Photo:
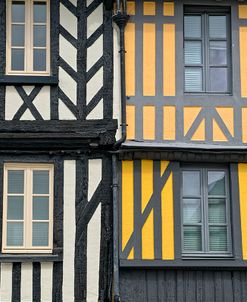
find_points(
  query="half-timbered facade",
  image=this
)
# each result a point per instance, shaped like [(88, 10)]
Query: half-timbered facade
[(182, 169), (56, 125)]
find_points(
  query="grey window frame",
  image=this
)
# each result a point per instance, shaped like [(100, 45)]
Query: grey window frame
[(205, 12), (205, 253)]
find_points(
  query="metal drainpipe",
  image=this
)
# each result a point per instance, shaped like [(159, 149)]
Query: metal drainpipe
[(121, 20)]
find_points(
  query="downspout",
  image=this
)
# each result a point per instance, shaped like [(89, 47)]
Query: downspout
[(121, 19)]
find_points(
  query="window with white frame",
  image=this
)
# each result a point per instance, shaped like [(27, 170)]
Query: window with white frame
[(27, 208), (28, 37)]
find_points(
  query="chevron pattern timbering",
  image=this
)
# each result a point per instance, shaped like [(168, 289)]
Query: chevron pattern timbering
[(81, 64)]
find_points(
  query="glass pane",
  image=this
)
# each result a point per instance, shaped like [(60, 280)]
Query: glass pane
[(216, 183), (193, 79), (193, 52), (17, 59), (18, 11), (192, 239), (191, 211), (216, 211), (217, 26), (40, 234), (40, 182), (218, 239), (39, 60), (218, 79), (39, 36), (40, 208), (15, 181), (14, 234), (18, 35), (15, 207), (39, 12), (191, 183), (218, 54), (192, 26)]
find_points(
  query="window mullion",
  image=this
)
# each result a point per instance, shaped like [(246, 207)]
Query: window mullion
[(206, 225), (28, 220), (206, 49), (29, 37)]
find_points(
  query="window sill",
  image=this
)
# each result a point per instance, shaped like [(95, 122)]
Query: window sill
[(29, 258), (208, 257), (28, 80)]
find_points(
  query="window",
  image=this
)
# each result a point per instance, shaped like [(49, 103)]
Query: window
[(207, 54), (28, 37), (27, 208), (206, 212)]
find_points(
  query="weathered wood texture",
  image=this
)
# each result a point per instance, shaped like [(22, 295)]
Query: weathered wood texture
[(183, 286)]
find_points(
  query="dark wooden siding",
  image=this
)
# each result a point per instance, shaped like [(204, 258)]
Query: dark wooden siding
[(183, 285)]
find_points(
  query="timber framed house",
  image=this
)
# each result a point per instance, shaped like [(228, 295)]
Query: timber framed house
[(56, 125)]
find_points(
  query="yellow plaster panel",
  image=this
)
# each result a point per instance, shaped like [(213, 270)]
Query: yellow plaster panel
[(147, 182), (242, 11), (168, 9), (190, 114), (149, 50), (243, 61), (227, 115), (169, 122), (169, 61), (199, 134), (242, 178), (167, 220), (163, 166), (130, 119), (149, 8), (130, 59), (131, 7), (148, 238), (218, 135), (244, 125), (131, 254), (149, 122), (127, 201)]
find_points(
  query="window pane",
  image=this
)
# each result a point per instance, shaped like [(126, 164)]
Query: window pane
[(40, 234), (17, 59), (218, 239), (15, 207), (16, 181), (40, 208), (218, 79), (192, 27), (192, 239), (18, 11), (193, 79), (216, 183), (216, 211), (39, 60), (217, 26), (14, 234), (18, 35), (191, 183), (39, 36), (40, 182), (39, 12), (191, 211), (193, 52), (218, 54)]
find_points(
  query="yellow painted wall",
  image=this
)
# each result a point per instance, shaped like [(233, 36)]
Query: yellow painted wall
[(149, 177)]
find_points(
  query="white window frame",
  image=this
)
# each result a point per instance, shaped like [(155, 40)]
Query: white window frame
[(29, 25), (27, 221)]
